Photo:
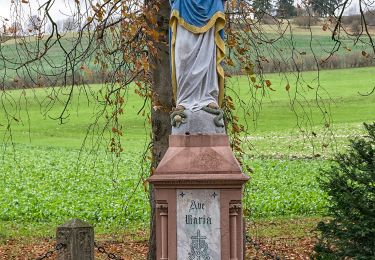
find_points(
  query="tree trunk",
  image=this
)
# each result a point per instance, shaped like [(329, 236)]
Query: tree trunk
[(163, 98)]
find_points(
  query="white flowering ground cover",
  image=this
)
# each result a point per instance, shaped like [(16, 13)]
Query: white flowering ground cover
[(51, 185)]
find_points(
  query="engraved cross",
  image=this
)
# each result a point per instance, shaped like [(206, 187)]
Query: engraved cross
[(198, 236), (200, 247)]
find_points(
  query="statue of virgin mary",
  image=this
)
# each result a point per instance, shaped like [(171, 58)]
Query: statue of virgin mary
[(197, 51)]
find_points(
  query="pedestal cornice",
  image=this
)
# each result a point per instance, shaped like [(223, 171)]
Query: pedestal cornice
[(199, 159)]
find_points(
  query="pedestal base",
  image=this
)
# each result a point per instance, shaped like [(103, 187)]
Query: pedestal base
[(198, 193)]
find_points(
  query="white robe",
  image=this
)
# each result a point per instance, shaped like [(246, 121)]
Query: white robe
[(196, 73)]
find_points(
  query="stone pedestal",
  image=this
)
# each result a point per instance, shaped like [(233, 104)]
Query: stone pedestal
[(198, 193)]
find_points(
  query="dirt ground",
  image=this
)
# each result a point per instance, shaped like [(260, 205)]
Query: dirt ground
[(281, 239)]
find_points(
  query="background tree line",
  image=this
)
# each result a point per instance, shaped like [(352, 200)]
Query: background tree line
[(288, 9)]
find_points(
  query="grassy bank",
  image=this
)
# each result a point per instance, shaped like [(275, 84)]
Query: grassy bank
[(277, 111)]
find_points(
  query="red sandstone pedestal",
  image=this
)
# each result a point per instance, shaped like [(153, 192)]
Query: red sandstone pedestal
[(200, 182)]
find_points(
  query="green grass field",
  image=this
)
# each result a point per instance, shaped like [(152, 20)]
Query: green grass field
[(338, 92), (46, 178)]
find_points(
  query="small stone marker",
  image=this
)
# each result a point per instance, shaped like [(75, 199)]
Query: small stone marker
[(78, 238), (198, 224)]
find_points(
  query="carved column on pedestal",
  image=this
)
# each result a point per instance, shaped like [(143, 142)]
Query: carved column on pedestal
[(163, 212), (234, 210)]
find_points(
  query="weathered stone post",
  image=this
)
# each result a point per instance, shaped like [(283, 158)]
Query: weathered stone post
[(78, 238)]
